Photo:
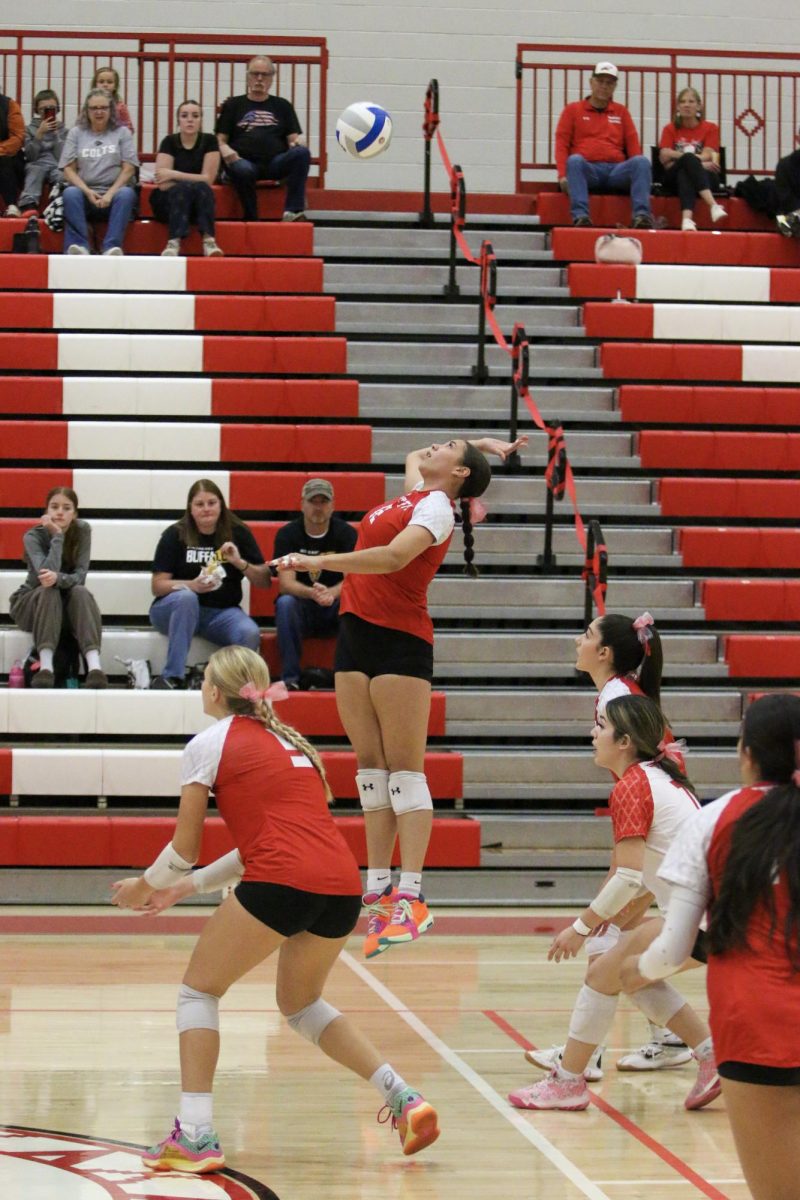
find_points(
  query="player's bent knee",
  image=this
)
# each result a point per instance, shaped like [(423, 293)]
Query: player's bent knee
[(658, 1001), (373, 788), (312, 1021), (592, 1016), (196, 1010), (409, 792)]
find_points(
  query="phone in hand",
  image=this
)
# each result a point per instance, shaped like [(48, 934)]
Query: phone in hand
[(49, 112)]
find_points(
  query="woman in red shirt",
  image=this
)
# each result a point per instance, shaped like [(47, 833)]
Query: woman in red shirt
[(739, 858), (384, 665), (689, 154), (298, 892)]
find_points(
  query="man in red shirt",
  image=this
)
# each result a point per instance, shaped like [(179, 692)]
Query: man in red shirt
[(598, 149)]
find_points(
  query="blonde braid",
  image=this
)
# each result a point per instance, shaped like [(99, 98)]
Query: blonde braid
[(266, 713)]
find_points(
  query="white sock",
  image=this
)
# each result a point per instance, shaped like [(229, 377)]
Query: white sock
[(704, 1050), (378, 879), (388, 1082), (410, 883), (196, 1113), (93, 660), (46, 660), (563, 1073), (657, 1032)]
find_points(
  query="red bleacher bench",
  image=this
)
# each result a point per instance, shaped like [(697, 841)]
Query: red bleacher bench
[(248, 238), (613, 210), (673, 246), (753, 498), (700, 451), (671, 360), (769, 656), (720, 546), (763, 600), (668, 404), (117, 841)]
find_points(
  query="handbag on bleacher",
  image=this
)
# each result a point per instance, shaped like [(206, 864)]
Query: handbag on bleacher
[(612, 248)]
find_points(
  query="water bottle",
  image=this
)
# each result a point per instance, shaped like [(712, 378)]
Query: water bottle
[(73, 681), (16, 676)]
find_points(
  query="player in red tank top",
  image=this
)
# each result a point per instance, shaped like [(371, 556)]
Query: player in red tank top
[(739, 859), (384, 666), (297, 892)]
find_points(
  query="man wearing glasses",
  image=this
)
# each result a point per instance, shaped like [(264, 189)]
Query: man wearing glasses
[(598, 148), (260, 138)]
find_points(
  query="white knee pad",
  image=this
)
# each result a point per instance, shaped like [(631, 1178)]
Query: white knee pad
[(592, 1016), (373, 789), (409, 792), (196, 1010), (312, 1021), (658, 1001), (602, 942)]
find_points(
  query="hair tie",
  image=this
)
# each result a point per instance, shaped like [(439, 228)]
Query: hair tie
[(477, 510), (672, 750), (275, 691), (643, 632)]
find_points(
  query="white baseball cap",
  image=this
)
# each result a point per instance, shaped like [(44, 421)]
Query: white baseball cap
[(606, 68)]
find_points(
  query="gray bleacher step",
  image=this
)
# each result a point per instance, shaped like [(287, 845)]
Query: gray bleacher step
[(606, 450), (570, 712), (501, 594), (456, 359), (517, 245), (441, 220), (424, 279), (555, 652), (472, 402), (525, 494), (453, 320)]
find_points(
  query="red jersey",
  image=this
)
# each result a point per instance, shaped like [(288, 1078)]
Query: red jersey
[(753, 993), (399, 600), (272, 800), (599, 135), (705, 136)]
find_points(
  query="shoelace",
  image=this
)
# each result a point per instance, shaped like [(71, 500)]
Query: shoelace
[(381, 1119), (402, 912)]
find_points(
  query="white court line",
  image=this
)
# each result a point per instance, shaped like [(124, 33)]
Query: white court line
[(660, 1182), (512, 1115)]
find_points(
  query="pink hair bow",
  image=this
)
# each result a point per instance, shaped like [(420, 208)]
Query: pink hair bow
[(477, 510), (643, 632), (275, 691), (672, 750)]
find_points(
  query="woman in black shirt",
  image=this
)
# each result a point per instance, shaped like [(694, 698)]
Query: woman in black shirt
[(187, 165)]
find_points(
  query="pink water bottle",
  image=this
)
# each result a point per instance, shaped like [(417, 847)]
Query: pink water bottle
[(16, 676)]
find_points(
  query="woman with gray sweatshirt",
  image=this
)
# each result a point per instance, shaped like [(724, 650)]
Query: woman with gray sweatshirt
[(57, 553)]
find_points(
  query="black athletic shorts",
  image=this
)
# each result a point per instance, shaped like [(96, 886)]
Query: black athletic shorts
[(375, 650), (699, 949), (288, 910), (742, 1072)]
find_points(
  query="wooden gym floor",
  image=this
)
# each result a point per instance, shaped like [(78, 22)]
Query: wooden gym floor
[(89, 1049)]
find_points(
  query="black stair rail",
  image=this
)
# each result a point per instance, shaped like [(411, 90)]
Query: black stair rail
[(519, 386), (595, 572), (430, 122), (458, 214), (555, 477), (487, 298)]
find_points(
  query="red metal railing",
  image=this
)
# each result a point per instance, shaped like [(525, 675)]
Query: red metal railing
[(158, 70), (754, 98)]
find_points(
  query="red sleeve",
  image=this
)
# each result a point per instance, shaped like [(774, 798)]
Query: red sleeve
[(632, 144), (667, 139), (710, 136), (631, 806), (564, 135)]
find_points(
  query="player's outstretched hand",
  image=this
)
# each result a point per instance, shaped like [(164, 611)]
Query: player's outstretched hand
[(166, 897), (131, 893), (568, 944), (296, 562), (490, 445)]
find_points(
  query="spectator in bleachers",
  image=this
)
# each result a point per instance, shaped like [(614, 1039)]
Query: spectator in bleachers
[(598, 149), (308, 605), (12, 136), (689, 154), (44, 141), (108, 79), (198, 569), (99, 163), (57, 554), (187, 165), (260, 137), (787, 187)]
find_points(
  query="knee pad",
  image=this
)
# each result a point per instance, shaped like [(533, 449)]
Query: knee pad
[(592, 1016), (409, 792), (658, 1001), (312, 1021), (196, 1010), (373, 789), (602, 942)]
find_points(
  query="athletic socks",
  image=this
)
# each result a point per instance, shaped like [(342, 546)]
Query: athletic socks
[(196, 1113), (388, 1083), (704, 1050), (93, 660), (46, 660), (567, 1076), (378, 879), (410, 884)]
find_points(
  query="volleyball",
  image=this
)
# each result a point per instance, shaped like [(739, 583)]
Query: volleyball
[(364, 129)]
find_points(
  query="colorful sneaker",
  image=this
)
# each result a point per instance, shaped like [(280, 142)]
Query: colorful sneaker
[(547, 1059), (179, 1152), (409, 919), (656, 1056), (414, 1119), (571, 1095), (380, 906), (707, 1086)]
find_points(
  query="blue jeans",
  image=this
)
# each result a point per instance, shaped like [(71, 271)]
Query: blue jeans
[(292, 165), (180, 616), (78, 209), (295, 619), (634, 176)]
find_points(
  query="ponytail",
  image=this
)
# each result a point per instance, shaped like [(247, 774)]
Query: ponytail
[(643, 721), (474, 485), (643, 659), (469, 541)]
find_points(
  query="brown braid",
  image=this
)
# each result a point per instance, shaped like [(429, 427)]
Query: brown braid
[(266, 713), (469, 541)]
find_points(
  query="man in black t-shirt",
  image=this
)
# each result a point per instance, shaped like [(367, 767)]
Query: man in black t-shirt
[(309, 603), (260, 138)]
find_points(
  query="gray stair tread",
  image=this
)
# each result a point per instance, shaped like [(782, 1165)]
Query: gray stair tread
[(557, 705), (593, 493), (404, 241), (440, 220), (611, 450), (467, 669), (410, 400)]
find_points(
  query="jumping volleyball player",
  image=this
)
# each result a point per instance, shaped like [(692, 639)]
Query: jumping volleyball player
[(298, 893), (651, 801), (740, 856), (384, 665)]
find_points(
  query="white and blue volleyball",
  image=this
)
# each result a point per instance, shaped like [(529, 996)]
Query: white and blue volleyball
[(364, 129)]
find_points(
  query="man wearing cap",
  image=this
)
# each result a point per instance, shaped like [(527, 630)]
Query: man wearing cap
[(598, 149), (308, 605)]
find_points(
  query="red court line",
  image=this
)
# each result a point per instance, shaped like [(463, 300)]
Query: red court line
[(508, 926), (624, 1122)]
